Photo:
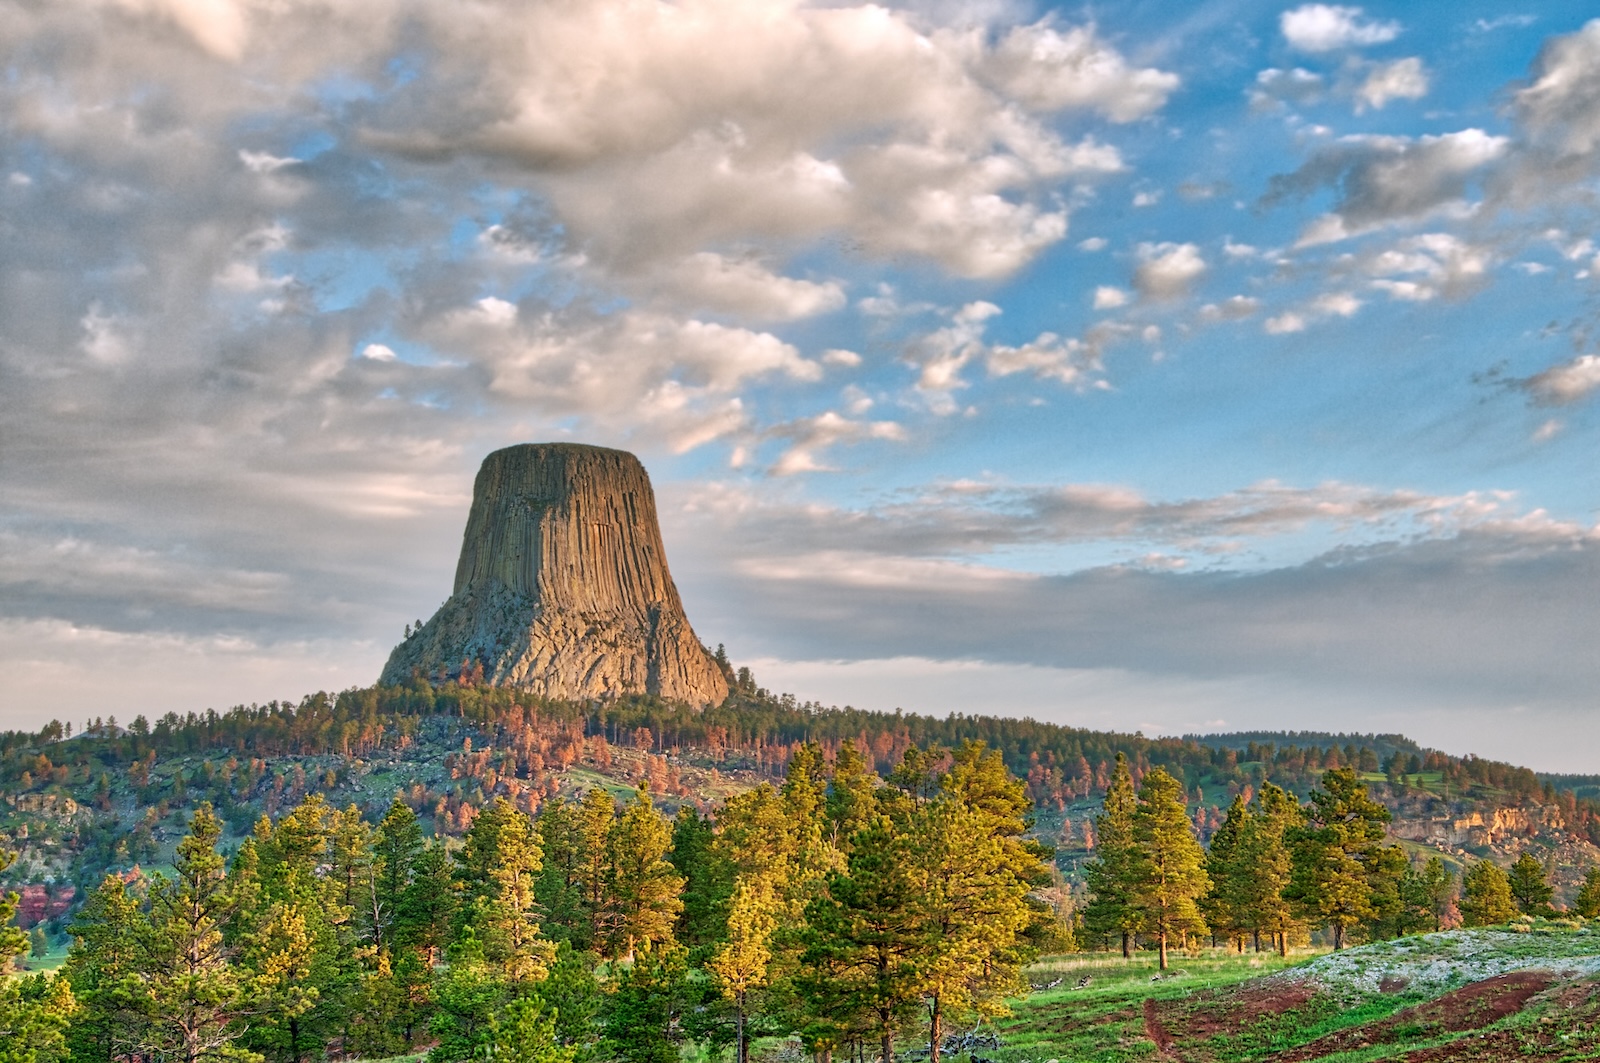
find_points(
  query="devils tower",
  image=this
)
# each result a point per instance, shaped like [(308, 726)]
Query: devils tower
[(562, 588)]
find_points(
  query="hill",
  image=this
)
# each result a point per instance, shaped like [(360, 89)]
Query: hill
[(112, 796)]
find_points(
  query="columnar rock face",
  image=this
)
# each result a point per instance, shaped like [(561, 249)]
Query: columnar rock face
[(562, 588)]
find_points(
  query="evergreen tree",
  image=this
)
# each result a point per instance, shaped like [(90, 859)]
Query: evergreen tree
[(644, 1011), (34, 1011), (740, 964), (644, 902), (851, 803), (396, 846), (707, 882), (597, 816), (1169, 865), (560, 883), (861, 938), (1530, 892), (1337, 854), (573, 998), (104, 953), (1587, 903), (1226, 907), (1265, 862), (193, 1001), (496, 869), (1110, 875), (524, 1033), (1485, 895)]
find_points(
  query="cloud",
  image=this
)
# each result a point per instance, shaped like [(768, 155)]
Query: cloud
[(942, 356), (1430, 265), (1167, 270), (1402, 79), (810, 435), (1383, 179), (1275, 87), (745, 287), (1233, 308), (1050, 70), (1558, 111), (1564, 384), (1330, 27), (1109, 298)]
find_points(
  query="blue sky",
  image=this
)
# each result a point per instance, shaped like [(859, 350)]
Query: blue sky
[(1221, 370)]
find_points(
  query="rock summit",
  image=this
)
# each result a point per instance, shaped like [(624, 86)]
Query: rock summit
[(562, 588)]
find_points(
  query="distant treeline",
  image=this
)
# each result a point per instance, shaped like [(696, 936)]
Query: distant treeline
[(1060, 764)]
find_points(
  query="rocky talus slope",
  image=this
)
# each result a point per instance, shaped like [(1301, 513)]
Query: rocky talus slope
[(562, 588)]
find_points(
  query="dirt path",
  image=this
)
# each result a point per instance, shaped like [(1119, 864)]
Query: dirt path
[(1155, 1030)]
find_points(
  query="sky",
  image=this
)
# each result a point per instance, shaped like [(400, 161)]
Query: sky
[(1177, 368)]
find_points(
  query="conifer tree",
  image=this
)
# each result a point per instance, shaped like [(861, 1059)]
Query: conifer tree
[(1226, 907), (1264, 857), (861, 938), (194, 1002), (707, 882), (1438, 885), (1336, 854), (1169, 865), (105, 935), (1587, 903), (1530, 892), (1110, 875), (644, 889), (496, 869), (851, 803), (560, 883), (1485, 895), (740, 964), (397, 844), (596, 818), (34, 1013), (644, 1010)]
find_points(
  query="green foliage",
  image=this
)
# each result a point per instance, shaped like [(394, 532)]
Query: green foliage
[(1587, 903), (1485, 895), (1167, 876), (1110, 876), (1337, 855), (643, 1020), (1530, 891)]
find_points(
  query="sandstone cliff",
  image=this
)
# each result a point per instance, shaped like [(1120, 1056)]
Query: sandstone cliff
[(562, 588)]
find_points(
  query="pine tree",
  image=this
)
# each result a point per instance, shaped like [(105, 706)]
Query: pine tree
[(1530, 892), (644, 1011), (105, 934), (740, 964), (1485, 895), (596, 818), (1226, 907), (851, 803), (1110, 875), (194, 1002), (496, 869), (34, 1012), (1264, 858), (861, 939), (1336, 854), (1169, 875), (644, 888), (396, 846), (524, 1033), (1587, 903), (707, 882), (560, 883)]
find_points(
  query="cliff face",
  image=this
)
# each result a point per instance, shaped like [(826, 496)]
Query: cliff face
[(562, 588)]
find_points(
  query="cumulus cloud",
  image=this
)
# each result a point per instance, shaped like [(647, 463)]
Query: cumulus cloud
[(1385, 179), (745, 287), (1167, 270), (1559, 109), (1275, 87), (941, 356), (1330, 27), (1048, 69), (1402, 79), (807, 437), (1423, 267)]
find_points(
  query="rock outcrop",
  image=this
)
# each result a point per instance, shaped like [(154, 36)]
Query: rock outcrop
[(562, 588)]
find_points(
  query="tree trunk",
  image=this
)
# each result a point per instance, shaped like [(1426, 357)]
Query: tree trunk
[(1283, 943), (294, 1039), (1338, 936), (935, 1030), (1258, 939), (1163, 938), (888, 1045), (1127, 953), (743, 1050), (1239, 941)]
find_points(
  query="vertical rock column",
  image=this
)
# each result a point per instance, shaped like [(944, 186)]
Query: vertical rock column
[(562, 588)]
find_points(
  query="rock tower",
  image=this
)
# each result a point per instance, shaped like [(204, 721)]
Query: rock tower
[(562, 588)]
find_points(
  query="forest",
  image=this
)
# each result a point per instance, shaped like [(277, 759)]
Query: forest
[(854, 911)]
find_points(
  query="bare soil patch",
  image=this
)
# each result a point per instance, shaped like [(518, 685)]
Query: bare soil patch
[(1171, 1023), (1472, 1007)]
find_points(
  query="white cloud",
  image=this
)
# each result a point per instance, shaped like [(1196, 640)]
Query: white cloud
[(1093, 243), (1050, 70), (1330, 27), (809, 436), (1109, 298), (1423, 267), (744, 286), (1402, 79), (1559, 110), (1284, 323), (1167, 270), (378, 352), (1275, 87)]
